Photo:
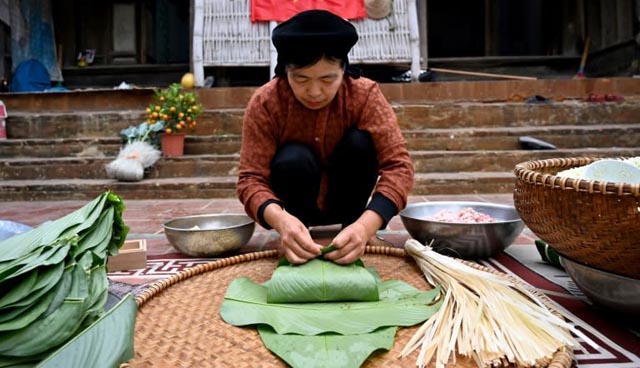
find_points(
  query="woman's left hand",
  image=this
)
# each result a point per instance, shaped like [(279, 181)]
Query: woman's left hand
[(350, 244)]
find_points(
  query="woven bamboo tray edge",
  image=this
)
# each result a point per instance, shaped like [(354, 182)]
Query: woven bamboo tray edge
[(563, 358)]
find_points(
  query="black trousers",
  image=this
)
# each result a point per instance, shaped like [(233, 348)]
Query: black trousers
[(352, 172)]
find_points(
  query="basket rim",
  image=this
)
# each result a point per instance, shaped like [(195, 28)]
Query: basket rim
[(528, 172)]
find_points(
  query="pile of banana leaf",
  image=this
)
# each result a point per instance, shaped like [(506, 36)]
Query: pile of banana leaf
[(54, 285), (321, 314)]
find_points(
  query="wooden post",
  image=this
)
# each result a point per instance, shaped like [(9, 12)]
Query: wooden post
[(423, 20), (273, 53), (414, 39), (197, 65)]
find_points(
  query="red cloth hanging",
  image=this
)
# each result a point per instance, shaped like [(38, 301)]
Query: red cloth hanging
[(281, 10)]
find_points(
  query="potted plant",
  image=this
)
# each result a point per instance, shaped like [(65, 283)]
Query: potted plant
[(177, 111)]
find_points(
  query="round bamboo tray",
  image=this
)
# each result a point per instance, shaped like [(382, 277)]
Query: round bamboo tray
[(178, 322), (591, 222)]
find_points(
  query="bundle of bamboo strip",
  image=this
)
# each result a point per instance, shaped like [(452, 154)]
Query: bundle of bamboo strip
[(487, 316)]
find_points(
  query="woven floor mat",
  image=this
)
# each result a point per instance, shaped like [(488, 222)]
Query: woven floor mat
[(178, 322)]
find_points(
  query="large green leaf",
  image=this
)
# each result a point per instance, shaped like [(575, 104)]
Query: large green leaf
[(20, 316), (21, 295), (53, 280), (24, 291), (23, 243), (320, 281), (76, 222), (400, 304), (56, 327), (97, 238), (47, 255), (106, 343), (79, 220), (326, 350), (120, 229)]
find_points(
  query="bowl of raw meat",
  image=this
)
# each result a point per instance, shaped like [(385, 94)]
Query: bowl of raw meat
[(461, 229)]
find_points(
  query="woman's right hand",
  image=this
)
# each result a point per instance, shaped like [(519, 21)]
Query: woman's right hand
[(296, 243)]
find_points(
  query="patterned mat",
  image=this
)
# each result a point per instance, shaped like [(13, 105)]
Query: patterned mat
[(617, 336)]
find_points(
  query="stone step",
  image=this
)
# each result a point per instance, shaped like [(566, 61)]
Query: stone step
[(227, 165), (224, 187), (492, 161), (108, 147), (94, 167), (456, 139), (483, 115), (462, 137), (397, 93), (100, 124), (506, 138)]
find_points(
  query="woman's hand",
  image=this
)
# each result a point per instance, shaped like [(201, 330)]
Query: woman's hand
[(296, 243), (351, 241)]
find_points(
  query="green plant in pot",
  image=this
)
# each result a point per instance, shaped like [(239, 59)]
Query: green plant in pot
[(177, 110)]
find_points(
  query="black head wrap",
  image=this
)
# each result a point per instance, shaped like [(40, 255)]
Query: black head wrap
[(306, 37)]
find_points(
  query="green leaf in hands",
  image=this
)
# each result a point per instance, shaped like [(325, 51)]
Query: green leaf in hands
[(319, 280)]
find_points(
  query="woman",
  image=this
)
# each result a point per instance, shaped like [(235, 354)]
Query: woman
[(320, 145)]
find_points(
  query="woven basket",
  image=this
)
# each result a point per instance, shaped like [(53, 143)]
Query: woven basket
[(178, 322), (594, 223)]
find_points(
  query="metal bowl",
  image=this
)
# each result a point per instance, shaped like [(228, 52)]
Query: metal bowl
[(608, 290), (209, 235), (463, 240)]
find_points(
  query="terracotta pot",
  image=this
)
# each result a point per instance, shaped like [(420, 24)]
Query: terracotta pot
[(172, 144)]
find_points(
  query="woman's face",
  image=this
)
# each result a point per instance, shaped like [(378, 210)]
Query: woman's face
[(315, 86)]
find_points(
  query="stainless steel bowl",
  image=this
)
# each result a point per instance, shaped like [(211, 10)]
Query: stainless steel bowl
[(607, 290), (209, 235), (463, 240)]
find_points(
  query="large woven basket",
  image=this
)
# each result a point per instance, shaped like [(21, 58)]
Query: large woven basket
[(178, 322), (592, 222)]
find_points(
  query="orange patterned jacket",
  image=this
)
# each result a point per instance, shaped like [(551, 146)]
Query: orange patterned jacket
[(274, 116)]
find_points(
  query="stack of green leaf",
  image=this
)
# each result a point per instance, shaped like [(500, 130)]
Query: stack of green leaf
[(53, 279), (321, 314)]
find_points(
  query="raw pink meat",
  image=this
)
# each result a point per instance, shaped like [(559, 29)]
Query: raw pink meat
[(465, 215)]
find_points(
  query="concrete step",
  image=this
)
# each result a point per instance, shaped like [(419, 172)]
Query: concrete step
[(463, 137), (506, 138), (224, 187), (107, 147), (227, 165), (508, 114), (557, 90), (85, 189), (94, 167), (101, 124), (456, 139), (496, 161)]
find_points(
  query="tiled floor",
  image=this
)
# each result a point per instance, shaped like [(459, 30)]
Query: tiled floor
[(145, 218)]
